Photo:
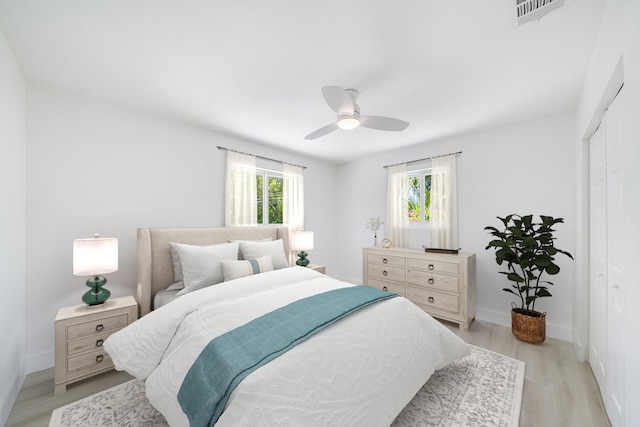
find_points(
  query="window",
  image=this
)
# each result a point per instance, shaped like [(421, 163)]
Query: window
[(419, 197), (269, 196)]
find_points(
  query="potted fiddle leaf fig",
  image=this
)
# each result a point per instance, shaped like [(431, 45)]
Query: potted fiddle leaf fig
[(528, 249)]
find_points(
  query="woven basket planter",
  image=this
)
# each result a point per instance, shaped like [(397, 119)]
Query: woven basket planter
[(528, 325)]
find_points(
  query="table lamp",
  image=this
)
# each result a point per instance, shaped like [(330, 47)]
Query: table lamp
[(94, 257), (302, 241)]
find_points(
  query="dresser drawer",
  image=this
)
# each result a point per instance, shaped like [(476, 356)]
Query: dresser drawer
[(434, 266), (97, 359), (388, 287), (433, 299), (386, 260), (395, 274), (99, 325), (92, 342), (430, 280)]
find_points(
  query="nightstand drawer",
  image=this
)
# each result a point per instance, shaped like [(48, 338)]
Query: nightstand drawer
[(437, 300), (96, 326), (90, 343), (432, 265), (98, 358), (396, 274), (442, 282), (386, 260)]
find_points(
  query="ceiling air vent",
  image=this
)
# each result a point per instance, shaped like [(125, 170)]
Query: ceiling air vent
[(530, 10)]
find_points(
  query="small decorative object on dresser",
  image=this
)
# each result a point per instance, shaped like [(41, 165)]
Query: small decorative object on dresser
[(443, 285), (374, 225), (80, 332), (95, 257)]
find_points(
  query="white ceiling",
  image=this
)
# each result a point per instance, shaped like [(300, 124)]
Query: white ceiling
[(255, 69)]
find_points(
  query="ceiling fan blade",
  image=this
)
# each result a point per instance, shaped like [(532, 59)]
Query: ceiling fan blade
[(383, 123), (338, 100), (322, 131)]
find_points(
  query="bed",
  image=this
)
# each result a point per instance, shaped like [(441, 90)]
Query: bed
[(360, 368)]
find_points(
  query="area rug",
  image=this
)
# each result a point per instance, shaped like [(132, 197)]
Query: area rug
[(482, 389)]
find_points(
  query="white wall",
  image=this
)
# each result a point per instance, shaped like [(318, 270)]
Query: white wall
[(523, 168), (12, 228), (619, 39), (94, 167)]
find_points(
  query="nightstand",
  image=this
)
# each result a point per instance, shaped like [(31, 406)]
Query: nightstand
[(317, 267), (80, 332)]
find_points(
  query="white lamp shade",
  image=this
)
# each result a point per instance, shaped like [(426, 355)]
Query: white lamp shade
[(302, 240), (96, 256)]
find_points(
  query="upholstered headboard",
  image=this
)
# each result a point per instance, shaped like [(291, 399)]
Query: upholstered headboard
[(155, 266)]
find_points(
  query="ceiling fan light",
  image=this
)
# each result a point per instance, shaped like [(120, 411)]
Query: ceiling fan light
[(348, 123)]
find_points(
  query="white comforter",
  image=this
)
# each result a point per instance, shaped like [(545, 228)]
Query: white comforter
[(360, 371)]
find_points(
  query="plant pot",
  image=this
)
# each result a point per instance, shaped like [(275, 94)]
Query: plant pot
[(528, 325)]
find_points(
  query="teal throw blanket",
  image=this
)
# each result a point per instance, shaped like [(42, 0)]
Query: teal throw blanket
[(231, 357)]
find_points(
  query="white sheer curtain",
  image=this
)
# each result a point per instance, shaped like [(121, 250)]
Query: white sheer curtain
[(241, 209), (444, 203), (397, 205), (293, 197)]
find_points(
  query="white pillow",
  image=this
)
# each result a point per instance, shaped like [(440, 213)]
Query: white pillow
[(258, 249), (201, 264), (234, 269), (266, 239), (178, 278)]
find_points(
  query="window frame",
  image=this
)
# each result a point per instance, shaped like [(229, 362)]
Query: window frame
[(421, 173), (266, 174)]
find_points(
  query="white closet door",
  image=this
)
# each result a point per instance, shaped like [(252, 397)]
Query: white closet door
[(615, 270), (598, 255)]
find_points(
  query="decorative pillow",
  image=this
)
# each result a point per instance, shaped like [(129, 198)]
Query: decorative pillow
[(274, 248), (201, 264), (266, 239), (234, 269)]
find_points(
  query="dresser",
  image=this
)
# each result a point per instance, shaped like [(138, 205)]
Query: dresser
[(443, 285), (80, 332)]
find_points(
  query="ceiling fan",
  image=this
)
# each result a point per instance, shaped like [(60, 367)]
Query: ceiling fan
[(343, 102)]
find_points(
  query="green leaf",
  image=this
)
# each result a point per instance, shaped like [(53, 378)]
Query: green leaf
[(515, 277)]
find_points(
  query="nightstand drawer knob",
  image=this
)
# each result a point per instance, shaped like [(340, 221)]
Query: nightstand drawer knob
[(384, 261), (431, 281), (431, 299), (431, 267), (99, 327), (99, 358), (99, 343), (384, 288), (384, 273)]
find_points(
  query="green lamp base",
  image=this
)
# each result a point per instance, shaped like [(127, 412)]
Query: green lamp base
[(302, 259), (96, 295)]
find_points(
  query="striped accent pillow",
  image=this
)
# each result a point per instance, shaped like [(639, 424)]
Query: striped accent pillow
[(235, 269)]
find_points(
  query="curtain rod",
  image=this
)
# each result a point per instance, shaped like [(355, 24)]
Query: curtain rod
[(260, 157), (421, 160)]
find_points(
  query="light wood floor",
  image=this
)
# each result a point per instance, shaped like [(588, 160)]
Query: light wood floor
[(558, 390)]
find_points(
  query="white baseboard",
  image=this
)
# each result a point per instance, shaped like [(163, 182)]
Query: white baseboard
[(9, 396), (504, 318), (40, 361)]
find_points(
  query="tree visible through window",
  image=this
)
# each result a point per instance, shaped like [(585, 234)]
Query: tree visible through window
[(419, 197), (269, 197)]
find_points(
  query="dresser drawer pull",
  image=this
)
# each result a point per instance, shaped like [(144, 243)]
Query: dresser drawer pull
[(431, 267), (99, 343), (99, 327), (384, 261), (431, 281), (99, 358), (384, 273), (384, 288), (431, 299)]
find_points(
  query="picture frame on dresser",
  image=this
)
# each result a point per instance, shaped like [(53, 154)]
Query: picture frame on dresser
[(443, 285)]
